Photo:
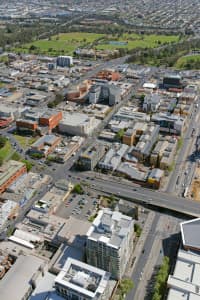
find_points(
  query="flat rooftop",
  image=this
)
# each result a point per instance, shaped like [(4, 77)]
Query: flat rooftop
[(75, 119), (48, 139), (110, 227), (9, 169), (45, 289), (184, 284), (190, 233), (49, 113), (83, 278), (74, 227), (16, 282)]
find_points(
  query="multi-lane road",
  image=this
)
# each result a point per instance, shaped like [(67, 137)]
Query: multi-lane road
[(185, 151), (119, 187)]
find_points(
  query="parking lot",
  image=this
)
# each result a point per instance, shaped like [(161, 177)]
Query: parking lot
[(81, 206)]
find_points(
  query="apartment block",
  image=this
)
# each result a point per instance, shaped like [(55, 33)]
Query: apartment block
[(133, 133), (169, 123), (64, 61), (101, 92), (143, 148), (158, 151), (89, 158), (151, 103), (168, 155), (110, 242), (113, 157), (129, 137)]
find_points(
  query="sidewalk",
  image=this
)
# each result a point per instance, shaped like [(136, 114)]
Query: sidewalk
[(140, 244)]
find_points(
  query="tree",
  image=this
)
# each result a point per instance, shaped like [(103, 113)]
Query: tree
[(3, 141), (28, 164), (36, 155), (51, 104), (125, 286), (120, 134), (59, 97), (1, 161), (161, 279), (78, 189), (32, 48), (137, 229)]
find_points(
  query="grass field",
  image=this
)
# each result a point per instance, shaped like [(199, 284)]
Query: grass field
[(6, 151), (66, 43), (24, 141), (187, 61), (135, 40), (63, 43)]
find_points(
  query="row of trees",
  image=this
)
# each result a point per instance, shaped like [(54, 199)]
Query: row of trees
[(191, 64), (165, 55), (161, 280), (19, 34), (125, 286)]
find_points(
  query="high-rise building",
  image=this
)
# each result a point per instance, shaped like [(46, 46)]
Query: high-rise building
[(101, 92), (64, 61), (172, 81), (110, 242)]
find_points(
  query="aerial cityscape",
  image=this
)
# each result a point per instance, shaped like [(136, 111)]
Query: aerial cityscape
[(100, 150)]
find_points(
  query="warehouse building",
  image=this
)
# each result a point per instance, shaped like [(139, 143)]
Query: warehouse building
[(184, 283), (77, 124)]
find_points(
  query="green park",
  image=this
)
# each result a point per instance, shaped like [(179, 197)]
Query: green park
[(67, 43), (188, 62)]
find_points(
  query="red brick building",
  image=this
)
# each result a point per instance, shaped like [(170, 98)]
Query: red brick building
[(108, 75), (47, 120), (23, 124), (9, 172), (4, 122), (45, 145), (50, 119)]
